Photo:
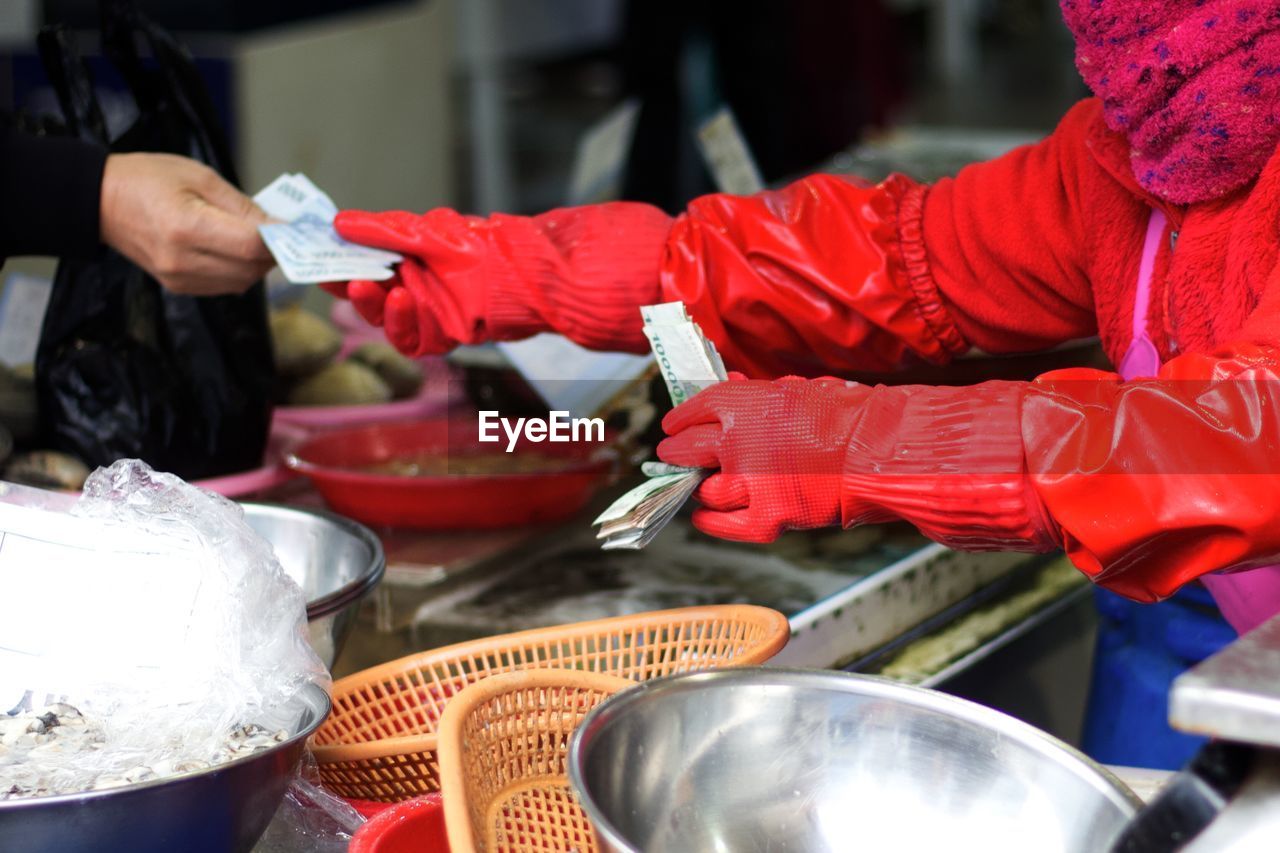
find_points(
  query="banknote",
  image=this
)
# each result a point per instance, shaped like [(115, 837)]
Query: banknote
[(665, 314), (309, 258), (675, 314), (647, 519), (689, 364), (624, 505), (662, 469), (682, 360), (304, 242), (291, 197)]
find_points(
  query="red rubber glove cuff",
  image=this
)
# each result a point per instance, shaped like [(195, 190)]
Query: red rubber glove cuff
[(949, 461), (827, 275)]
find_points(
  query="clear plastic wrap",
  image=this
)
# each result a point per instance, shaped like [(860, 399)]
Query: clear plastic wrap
[(159, 615), (310, 820)]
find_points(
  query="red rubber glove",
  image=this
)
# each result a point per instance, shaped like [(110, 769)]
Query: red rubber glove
[(823, 276), (583, 272), (779, 447), (797, 454), (1147, 484), (826, 276)]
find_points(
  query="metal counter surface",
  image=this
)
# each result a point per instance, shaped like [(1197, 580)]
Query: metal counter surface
[(1234, 695), (851, 596)]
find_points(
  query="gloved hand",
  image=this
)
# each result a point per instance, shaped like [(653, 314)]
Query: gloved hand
[(827, 275), (780, 449), (1147, 485), (583, 272), (797, 454)]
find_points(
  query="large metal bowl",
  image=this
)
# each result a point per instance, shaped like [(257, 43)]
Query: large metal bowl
[(759, 759), (221, 810), (335, 560)]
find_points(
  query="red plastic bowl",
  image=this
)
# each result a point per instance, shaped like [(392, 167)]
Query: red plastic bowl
[(456, 501), (414, 826)]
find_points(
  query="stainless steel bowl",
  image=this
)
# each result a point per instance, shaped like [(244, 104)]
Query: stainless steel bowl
[(335, 560), (221, 810), (759, 759)]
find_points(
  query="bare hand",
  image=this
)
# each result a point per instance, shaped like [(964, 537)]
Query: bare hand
[(182, 223)]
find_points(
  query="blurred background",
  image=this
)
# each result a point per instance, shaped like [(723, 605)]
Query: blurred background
[(524, 105), (485, 104)]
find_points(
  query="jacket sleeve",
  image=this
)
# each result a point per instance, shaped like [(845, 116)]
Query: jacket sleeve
[(1009, 244), (1153, 483), (1146, 484), (49, 195), (832, 275), (810, 279)]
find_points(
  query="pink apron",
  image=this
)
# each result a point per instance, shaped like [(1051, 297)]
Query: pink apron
[(1247, 599)]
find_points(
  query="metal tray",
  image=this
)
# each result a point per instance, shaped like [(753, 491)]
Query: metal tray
[(847, 593)]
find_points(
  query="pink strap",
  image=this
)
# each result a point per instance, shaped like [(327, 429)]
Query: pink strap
[(1247, 599), (1142, 299), (1142, 360)]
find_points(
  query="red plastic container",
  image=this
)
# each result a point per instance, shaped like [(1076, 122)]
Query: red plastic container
[(414, 826), (334, 461)]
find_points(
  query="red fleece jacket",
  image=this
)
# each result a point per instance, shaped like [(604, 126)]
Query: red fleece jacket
[(1147, 484), (1051, 235), (1021, 253)]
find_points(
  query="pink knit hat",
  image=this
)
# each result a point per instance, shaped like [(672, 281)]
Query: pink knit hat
[(1193, 84)]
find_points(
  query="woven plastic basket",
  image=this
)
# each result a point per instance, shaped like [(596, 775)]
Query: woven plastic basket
[(504, 744), (379, 743)]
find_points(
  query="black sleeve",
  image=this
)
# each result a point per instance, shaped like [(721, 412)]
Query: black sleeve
[(49, 194)]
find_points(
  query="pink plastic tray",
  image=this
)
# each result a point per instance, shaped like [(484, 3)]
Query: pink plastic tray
[(431, 400)]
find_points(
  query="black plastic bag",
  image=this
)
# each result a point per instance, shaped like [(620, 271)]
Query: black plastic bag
[(125, 368)]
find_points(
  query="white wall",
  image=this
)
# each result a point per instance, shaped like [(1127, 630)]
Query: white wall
[(360, 103)]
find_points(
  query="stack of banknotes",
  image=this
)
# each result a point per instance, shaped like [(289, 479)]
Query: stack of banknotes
[(303, 241), (688, 363)]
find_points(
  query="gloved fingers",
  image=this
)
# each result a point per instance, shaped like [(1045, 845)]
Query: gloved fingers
[(423, 316), (737, 376), (335, 288), (390, 230), (400, 320), (696, 447), (723, 492), (741, 525), (709, 406), (436, 235), (696, 410), (444, 318), (369, 298)]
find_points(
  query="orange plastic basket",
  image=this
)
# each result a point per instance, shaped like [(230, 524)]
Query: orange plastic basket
[(379, 743), (504, 747)]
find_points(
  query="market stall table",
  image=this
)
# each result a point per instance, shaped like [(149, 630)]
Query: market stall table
[(1013, 630)]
